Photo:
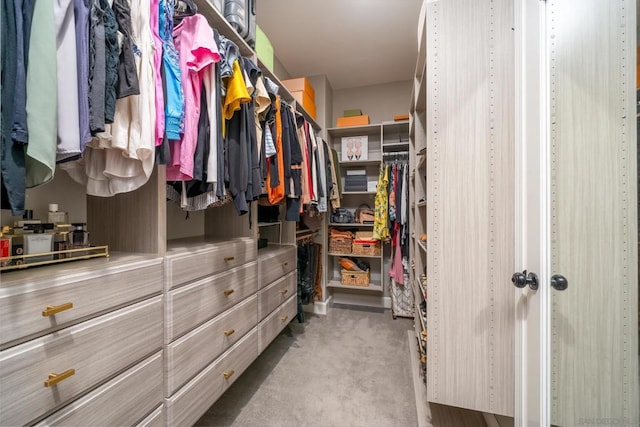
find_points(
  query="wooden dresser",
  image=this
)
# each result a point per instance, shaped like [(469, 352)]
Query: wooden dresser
[(81, 343)]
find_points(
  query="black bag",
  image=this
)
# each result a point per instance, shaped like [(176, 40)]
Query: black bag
[(342, 216)]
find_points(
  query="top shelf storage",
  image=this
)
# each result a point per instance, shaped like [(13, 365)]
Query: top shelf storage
[(217, 21)]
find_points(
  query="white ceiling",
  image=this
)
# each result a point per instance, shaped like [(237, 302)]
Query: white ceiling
[(353, 42)]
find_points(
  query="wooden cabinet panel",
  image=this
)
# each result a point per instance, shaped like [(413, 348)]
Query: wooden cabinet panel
[(96, 349), (470, 198), (121, 401), (194, 304), (270, 327), (276, 262), (275, 294), (24, 297), (191, 401), (206, 259), (189, 354), (154, 419)]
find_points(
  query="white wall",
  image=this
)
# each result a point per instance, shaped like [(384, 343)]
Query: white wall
[(68, 194), (380, 102)]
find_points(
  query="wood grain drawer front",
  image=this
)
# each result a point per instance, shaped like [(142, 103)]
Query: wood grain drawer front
[(154, 419), (189, 354), (277, 263), (22, 306), (122, 401), (270, 327), (182, 268), (276, 293), (191, 401), (95, 349), (194, 304)]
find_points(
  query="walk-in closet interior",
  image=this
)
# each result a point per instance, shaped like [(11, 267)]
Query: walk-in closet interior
[(335, 213)]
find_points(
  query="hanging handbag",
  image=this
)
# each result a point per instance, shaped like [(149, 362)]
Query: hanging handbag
[(342, 216)]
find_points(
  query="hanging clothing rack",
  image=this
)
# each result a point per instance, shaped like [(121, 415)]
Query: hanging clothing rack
[(395, 155)]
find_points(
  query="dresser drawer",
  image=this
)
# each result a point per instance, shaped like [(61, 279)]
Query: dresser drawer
[(154, 419), (276, 293), (270, 327), (107, 286), (122, 401), (208, 259), (189, 354), (191, 401), (194, 304), (95, 349), (276, 262)]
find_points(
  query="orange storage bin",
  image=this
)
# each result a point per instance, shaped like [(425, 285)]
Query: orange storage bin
[(352, 121)]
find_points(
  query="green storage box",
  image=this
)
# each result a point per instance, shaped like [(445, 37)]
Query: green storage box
[(264, 50), (352, 113)]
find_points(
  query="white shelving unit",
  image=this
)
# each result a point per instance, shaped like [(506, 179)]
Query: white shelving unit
[(386, 137)]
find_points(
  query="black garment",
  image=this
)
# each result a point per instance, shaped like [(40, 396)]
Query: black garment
[(163, 152), (254, 188), (111, 55), (327, 166), (198, 185), (237, 166), (219, 142), (97, 67), (293, 165), (23, 14), (307, 270), (13, 183), (127, 73)]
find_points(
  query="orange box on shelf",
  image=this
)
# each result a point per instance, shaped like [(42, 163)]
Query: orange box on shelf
[(352, 121), (401, 117), (306, 101), (300, 84)]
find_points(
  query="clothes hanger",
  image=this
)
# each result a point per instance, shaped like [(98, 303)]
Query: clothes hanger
[(184, 8)]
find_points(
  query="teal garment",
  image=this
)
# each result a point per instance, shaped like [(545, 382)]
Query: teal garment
[(42, 111)]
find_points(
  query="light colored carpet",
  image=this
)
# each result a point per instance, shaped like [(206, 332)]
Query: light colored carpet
[(348, 368)]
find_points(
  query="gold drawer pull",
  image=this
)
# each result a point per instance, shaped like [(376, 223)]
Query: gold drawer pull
[(56, 378), (284, 291), (284, 318), (229, 258), (228, 292), (228, 374), (229, 332), (50, 310)]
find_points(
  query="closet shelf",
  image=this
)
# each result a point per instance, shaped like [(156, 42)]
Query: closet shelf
[(216, 20), (374, 161), (371, 288), (349, 224), (287, 95), (354, 255), (395, 144), (357, 192), (354, 130)]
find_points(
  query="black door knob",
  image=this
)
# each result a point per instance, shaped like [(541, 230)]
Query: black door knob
[(520, 280), (559, 282)]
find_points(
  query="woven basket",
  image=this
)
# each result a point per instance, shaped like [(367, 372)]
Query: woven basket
[(355, 278), (340, 245), (366, 247)]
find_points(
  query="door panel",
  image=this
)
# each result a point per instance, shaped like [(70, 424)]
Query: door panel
[(470, 133), (593, 223)]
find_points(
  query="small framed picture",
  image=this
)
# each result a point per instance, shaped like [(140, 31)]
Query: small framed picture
[(355, 148)]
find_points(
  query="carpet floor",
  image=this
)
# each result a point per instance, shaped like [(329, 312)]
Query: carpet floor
[(349, 368)]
